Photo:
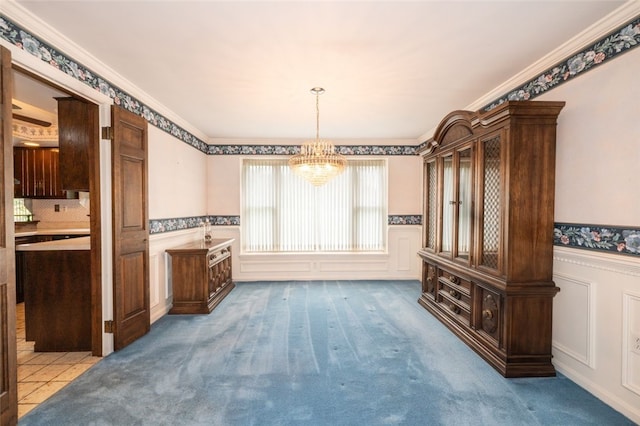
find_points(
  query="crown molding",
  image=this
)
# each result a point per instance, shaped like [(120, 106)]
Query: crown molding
[(625, 13), (44, 31), (611, 22), (590, 35)]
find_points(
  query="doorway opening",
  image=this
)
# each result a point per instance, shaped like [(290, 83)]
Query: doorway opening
[(52, 219)]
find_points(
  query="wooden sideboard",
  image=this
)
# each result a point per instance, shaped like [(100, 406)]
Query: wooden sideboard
[(200, 275)]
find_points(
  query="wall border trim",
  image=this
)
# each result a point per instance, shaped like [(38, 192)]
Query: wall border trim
[(614, 43)]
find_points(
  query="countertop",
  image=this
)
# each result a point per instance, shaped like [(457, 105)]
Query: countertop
[(79, 243), (55, 231), (201, 246)]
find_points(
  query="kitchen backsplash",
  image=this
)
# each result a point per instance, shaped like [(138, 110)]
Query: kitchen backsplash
[(71, 214)]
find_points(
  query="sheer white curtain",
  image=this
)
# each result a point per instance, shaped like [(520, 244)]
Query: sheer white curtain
[(464, 213), (283, 213), (447, 205)]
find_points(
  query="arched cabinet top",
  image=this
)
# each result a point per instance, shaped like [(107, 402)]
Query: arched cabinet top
[(453, 127), (462, 124)]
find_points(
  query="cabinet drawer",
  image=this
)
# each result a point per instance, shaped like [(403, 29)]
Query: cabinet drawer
[(454, 307), (454, 296), (454, 281), (218, 256)]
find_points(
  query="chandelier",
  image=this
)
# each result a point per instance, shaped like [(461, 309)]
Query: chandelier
[(318, 162)]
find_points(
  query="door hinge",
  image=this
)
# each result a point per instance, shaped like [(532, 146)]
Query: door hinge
[(107, 133), (108, 326)]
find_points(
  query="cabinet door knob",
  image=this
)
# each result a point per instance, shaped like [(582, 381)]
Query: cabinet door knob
[(487, 314)]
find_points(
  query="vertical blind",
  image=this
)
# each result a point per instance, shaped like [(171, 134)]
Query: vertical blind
[(281, 212)]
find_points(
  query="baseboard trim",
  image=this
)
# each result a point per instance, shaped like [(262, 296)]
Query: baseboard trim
[(627, 409)]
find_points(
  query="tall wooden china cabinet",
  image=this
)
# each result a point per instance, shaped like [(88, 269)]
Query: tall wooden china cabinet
[(488, 232)]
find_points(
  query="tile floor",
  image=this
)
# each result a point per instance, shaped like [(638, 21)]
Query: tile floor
[(41, 374)]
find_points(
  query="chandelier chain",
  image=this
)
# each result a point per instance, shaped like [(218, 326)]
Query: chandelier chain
[(317, 115), (318, 161)]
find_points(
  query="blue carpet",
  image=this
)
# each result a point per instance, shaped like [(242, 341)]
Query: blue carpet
[(312, 353)]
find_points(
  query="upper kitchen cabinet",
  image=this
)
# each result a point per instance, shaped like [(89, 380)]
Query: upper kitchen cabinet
[(77, 132), (36, 173)]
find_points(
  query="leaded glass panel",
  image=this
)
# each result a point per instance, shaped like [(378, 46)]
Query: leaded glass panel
[(432, 189), (491, 203)]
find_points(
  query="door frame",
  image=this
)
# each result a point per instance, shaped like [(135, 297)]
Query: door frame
[(100, 195)]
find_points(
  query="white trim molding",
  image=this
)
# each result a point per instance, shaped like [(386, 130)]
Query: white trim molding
[(601, 306), (631, 341), (597, 260), (580, 319)]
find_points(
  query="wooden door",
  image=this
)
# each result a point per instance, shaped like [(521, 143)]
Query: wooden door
[(130, 227), (8, 354)]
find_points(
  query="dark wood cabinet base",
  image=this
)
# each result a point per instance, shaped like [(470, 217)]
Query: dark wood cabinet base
[(200, 276), (529, 366), (201, 307), (57, 293)]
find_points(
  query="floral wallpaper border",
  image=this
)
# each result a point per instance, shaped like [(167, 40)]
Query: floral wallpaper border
[(295, 149), (617, 42), (21, 38), (613, 44), (609, 239), (408, 219), (602, 238), (159, 226), (592, 237)]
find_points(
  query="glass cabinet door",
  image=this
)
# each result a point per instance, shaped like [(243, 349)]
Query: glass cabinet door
[(456, 214), (463, 203), (490, 255), (448, 205)]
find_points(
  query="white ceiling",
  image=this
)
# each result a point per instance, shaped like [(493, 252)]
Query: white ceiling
[(391, 69)]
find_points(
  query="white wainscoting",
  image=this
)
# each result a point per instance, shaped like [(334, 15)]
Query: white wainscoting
[(596, 319), (400, 262), (631, 341), (160, 287), (573, 330)]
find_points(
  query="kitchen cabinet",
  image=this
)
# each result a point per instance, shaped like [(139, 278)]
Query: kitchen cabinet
[(36, 173), (20, 259), (57, 297), (77, 131), (200, 275), (489, 181)]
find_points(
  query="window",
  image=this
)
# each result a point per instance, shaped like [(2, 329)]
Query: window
[(21, 213), (281, 212)]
